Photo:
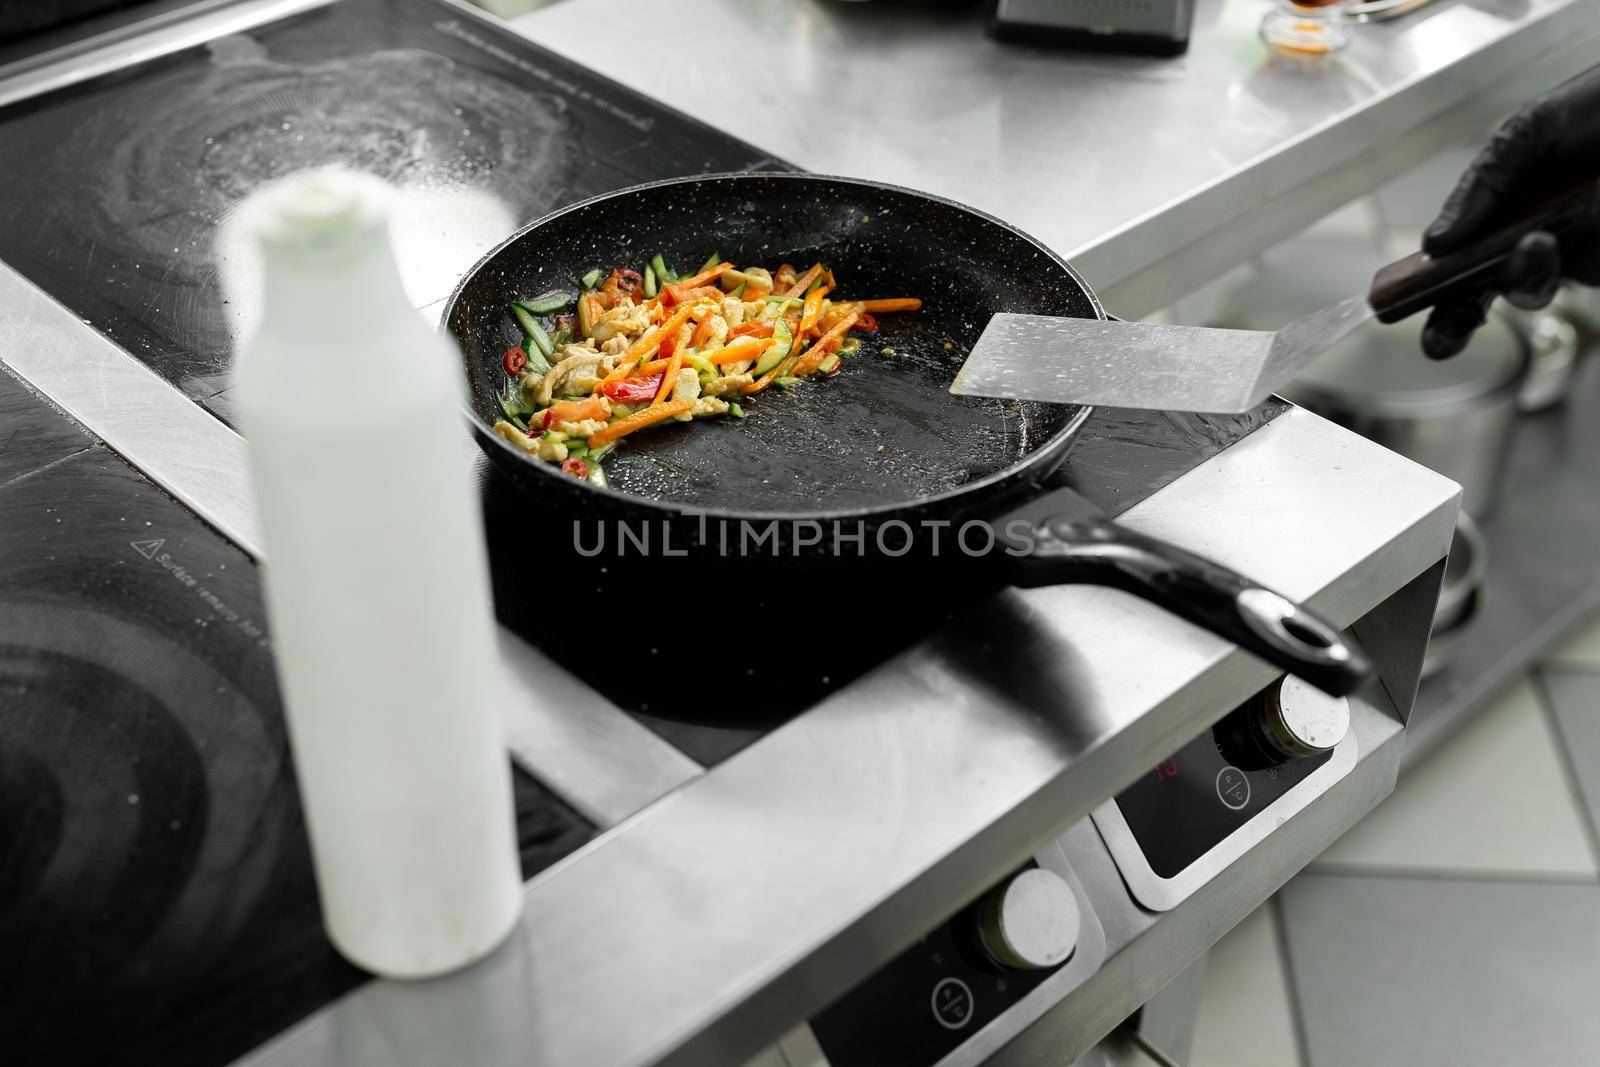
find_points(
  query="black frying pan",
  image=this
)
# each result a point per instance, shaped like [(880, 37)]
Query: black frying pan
[(885, 441)]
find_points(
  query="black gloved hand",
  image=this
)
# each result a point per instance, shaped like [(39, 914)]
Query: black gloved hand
[(1550, 142)]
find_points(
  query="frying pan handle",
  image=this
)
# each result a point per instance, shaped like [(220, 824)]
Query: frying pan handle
[(1211, 596), (1419, 281)]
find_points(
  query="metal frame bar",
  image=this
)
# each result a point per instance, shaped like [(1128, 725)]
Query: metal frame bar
[(142, 42)]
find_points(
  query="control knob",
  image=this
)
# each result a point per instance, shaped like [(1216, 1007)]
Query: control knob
[(1301, 720), (1030, 922)]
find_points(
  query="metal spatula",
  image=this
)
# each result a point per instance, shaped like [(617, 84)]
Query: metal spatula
[(1192, 368)]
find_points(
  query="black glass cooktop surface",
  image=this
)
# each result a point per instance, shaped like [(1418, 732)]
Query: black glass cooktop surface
[(156, 895), (116, 188)]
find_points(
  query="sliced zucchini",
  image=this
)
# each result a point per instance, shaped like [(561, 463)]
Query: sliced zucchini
[(783, 341), (537, 363), (526, 317), (545, 303), (510, 416), (541, 339)]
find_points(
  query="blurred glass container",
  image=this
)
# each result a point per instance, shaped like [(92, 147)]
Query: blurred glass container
[(1306, 27)]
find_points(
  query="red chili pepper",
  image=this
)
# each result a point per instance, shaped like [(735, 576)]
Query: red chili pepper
[(867, 322), (548, 419), (633, 390), (515, 359), (575, 467)]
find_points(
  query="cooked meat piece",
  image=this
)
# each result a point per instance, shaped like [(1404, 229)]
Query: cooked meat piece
[(728, 384), (628, 319), (576, 360)]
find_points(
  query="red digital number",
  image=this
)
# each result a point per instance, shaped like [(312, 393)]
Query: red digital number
[(1167, 769)]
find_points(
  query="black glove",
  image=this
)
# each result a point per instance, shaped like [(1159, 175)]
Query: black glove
[(1549, 143)]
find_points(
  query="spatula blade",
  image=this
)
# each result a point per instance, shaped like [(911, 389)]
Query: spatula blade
[(1297, 345), (1146, 365)]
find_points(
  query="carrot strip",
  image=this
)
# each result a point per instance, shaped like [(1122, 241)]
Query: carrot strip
[(744, 348), (803, 282), (899, 303), (753, 329), (704, 276), (809, 312), (592, 407), (776, 372), (669, 383), (639, 420), (702, 330), (819, 351), (647, 344)]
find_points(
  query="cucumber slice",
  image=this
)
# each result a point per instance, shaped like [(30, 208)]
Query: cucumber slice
[(708, 264), (592, 279), (663, 275), (786, 381), (597, 474), (545, 303), (735, 410), (510, 416), (536, 334), (650, 288), (778, 351), (537, 364), (526, 318)]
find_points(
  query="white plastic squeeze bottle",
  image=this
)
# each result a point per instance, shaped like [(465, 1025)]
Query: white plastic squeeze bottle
[(377, 587)]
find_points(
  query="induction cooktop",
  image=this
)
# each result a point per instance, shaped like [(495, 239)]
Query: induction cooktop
[(117, 188)]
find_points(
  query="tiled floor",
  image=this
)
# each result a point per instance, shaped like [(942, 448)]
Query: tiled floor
[(1458, 925)]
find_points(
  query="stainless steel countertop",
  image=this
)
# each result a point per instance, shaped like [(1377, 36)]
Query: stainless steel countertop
[(744, 900), (1150, 174)]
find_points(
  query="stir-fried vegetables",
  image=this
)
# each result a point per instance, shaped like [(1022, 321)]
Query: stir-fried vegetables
[(632, 349)]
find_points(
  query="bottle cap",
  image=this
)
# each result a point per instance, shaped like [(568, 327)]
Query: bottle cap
[(317, 209)]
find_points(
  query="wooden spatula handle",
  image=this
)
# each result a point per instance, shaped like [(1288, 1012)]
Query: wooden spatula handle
[(1420, 281)]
